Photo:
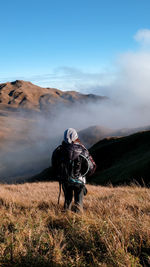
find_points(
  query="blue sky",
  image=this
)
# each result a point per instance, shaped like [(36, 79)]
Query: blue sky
[(68, 44)]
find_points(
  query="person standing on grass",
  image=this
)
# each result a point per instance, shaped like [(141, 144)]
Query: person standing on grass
[(71, 163)]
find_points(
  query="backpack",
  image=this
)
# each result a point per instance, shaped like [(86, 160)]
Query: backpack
[(67, 168)]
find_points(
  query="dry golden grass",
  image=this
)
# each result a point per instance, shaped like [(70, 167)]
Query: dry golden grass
[(113, 230)]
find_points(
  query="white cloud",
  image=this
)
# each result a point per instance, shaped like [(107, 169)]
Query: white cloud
[(133, 81), (143, 36)]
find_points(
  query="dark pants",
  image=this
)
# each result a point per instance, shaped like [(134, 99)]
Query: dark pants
[(78, 191)]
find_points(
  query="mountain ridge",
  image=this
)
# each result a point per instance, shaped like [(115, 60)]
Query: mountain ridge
[(26, 95)]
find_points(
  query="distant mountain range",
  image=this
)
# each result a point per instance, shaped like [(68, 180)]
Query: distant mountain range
[(94, 134), (25, 95), (21, 102)]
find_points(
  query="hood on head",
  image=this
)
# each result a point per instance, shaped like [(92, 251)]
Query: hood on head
[(70, 135)]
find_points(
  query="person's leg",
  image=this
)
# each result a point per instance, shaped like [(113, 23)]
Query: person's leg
[(78, 197), (68, 193)]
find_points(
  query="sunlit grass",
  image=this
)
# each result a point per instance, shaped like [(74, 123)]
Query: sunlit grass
[(113, 230)]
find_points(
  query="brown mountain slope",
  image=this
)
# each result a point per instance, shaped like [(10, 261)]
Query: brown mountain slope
[(21, 94)]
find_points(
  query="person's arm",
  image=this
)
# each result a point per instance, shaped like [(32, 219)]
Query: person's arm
[(93, 166)]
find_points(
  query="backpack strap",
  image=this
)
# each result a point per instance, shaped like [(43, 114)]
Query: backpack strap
[(81, 155)]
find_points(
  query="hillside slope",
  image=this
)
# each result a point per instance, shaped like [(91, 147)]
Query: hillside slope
[(121, 160)]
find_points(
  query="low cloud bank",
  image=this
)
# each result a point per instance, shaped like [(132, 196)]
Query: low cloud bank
[(128, 107)]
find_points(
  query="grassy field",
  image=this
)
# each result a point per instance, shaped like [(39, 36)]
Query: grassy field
[(113, 230)]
